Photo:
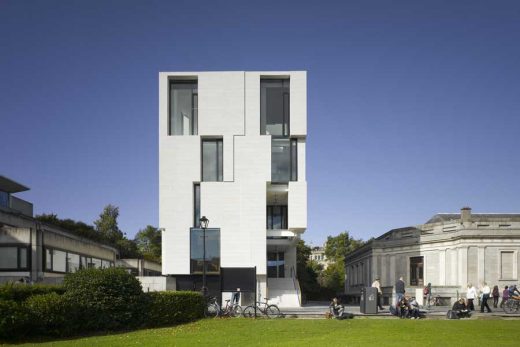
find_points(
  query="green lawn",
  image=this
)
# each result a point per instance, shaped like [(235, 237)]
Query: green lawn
[(318, 332)]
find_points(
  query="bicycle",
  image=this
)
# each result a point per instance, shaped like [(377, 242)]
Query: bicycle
[(213, 309), (270, 311), (434, 301), (512, 305)]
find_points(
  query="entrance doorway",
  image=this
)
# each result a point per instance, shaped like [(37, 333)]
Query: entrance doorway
[(416, 271), (275, 265)]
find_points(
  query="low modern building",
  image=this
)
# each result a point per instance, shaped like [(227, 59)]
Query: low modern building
[(232, 148), (38, 252), (449, 251), (140, 267)]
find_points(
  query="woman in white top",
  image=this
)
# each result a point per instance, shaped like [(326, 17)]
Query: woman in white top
[(470, 295), (485, 296)]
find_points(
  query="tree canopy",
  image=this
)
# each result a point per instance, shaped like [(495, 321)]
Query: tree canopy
[(148, 241)]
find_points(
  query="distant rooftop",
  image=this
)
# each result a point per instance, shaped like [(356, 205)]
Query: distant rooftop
[(475, 217), (9, 186)]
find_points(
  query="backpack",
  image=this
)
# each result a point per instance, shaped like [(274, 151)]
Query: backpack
[(426, 291), (452, 315)]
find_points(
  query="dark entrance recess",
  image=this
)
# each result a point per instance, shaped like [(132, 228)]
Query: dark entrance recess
[(241, 279)]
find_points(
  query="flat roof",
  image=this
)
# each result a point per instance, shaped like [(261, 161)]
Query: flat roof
[(9, 186)]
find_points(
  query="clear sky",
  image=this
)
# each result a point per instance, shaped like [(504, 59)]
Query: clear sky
[(413, 106)]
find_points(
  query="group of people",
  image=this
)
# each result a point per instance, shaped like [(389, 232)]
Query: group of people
[(485, 293)]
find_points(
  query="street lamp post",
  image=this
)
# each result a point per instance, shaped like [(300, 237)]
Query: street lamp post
[(204, 225)]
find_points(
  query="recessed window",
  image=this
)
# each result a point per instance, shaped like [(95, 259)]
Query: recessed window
[(196, 205), (275, 264), (274, 107), (277, 217), (284, 164), (184, 103), (416, 271), (14, 257), (507, 265), (212, 165)]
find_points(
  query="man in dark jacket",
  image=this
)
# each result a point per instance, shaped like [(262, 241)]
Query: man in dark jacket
[(399, 289), (460, 308)]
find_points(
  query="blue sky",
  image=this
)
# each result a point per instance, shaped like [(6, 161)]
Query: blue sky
[(413, 106)]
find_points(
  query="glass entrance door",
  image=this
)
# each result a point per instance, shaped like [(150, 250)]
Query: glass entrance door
[(275, 265)]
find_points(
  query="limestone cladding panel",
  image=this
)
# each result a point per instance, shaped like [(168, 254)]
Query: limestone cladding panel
[(297, 206), (491, 267), (228, 157), (59, 241), (298, 103), (221, 103), (252, 107), (15, 235), (473, 265), (431, 266), (179, 168)]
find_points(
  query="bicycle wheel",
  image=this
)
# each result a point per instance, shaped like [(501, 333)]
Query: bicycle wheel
[(272, 311), (211, 310), (249, 312), (511, 306), (235, 311)]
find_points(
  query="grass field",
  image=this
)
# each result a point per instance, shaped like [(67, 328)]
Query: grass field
[(318, 332)]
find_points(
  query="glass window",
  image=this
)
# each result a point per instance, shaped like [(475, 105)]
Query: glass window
[(48, 259), (183, 108), (212, 250), (59, 261), (9, 258), (284, 165), (4, 199), (274, 107), (196, 207), (277, 217), (23, 257), (96, 263), (73, 262), (212, 169), (416, 271), (275, 264)]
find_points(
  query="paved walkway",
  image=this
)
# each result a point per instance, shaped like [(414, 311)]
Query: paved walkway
[(318, 310)]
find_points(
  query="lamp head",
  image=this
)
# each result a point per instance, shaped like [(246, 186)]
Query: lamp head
[(204, 222)]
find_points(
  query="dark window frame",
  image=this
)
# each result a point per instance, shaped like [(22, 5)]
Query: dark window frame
[(19, 246), (418, 279), (286, 100), (192, 272), (293, 158), (219, 161), (88, 259), (194, 126), (196, 205), (270, 216)]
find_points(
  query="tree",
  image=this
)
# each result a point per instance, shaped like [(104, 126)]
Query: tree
[(307, 276), (148, 241), (336, 249), (107, 226), (74, 227)]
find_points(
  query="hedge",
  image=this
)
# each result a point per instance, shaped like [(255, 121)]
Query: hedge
[(94, 300), (20, 292), (169, 308)]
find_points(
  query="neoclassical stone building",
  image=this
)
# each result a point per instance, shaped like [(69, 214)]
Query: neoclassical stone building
[(449, 251)]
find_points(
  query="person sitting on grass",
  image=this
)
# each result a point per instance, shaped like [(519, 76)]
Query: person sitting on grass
[(413, 310), (404, 308), (336, 308), (461, 309)]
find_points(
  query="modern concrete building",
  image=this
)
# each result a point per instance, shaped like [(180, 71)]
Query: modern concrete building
[(449, 251), (232, 148), (140, 267), (39, 252)]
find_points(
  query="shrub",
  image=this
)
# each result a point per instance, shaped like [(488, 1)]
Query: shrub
[(168, 308), (20, 292), (13, 319), (50, 314), (105, 299)]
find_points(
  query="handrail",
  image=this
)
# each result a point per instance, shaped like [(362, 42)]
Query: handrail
[(296, 286)]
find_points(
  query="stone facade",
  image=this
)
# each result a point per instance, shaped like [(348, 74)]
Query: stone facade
[(449, 251)]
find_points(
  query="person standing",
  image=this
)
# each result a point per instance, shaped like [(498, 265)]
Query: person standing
[(427, 295), (470, 295), (496, 295), (377, 284), (486, 291), (505, 296), (399, 289)]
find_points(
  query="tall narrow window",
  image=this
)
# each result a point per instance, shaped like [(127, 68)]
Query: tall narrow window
[(212, 253), (284, 165), (274, 107), (506, 265), (183, 118), (212, 169), (416, 271), (196, 205), (276, 217)]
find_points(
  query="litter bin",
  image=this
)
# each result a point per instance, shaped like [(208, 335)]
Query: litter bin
[(368, 301)]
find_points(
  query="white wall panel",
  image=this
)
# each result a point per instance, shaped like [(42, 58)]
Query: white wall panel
[(297, 207)]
